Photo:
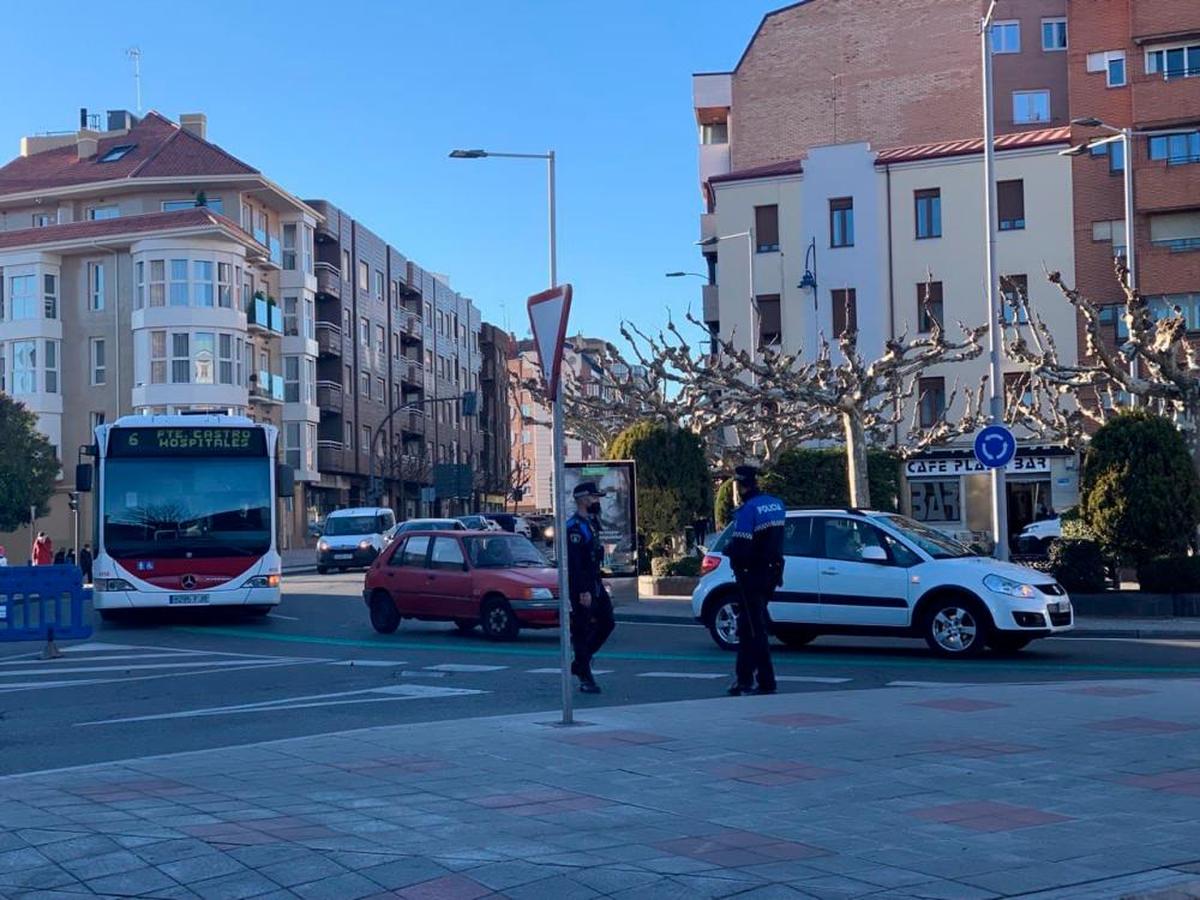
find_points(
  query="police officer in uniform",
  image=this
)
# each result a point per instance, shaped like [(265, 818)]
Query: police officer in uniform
[(591, 607), (755, 553)]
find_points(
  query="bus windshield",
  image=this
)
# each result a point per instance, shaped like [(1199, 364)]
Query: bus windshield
[(192, 508)]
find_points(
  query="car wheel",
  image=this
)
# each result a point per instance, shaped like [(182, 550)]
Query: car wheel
[(956, 627), (322, 570), (466, 626), (794, 636), (1003, 642), (109, 615), (385, 618), (498, 621), (722, 622)]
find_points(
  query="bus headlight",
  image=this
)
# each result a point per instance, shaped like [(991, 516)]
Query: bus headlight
[(263, 581), (112, 584)]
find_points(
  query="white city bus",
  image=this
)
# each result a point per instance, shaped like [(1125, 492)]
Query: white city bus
[(185, 513)]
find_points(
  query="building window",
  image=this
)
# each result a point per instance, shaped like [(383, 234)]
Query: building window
[(24, 363), (216, 204), (770, 329), (845, 311), (346, 330), (202, 272), (310, 324), (225, 285), (364, 384), (247, 218), (1176, 231), (364, 333), (310, 447), (1006, 37), (928, 211), (378, 285), (1054, 34), (291, 444), (44, 220), (1030, 107), (139, 285), (365, 444), (158, 357), (1112, 63), (934, 501), (240, 362), (179, 282), (1010, 204), (97, 213), (22, 297), (289, 246), (1110, 231), (1018, 387), (225, 358), (247, 292), (307, 247), (50, 296), (180, 358), (381, 342), (291, 324), (158, 282), (766, 228), (929, 306), (348, 381), (428, 313), (932, 392), (99, 375), (1175, 61), (346, 271), (116, 153), (51, 367), (841, 222), (204, 354), (381, 390), (291, 379), (1176, 149), (96, 419), (95, 277), (310, 381), (395, 345), (364, 276), (1015, 290), (348, 435), (1116, 156), (715, 133)]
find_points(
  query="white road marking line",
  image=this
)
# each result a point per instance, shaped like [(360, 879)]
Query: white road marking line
[(108, 657), (932, 684), (191, 673), (278, 616), (706, 675), (205, 664), (366, 663), (393, 692), (558, 671), (463, 667), (811, 679), (100, 645)]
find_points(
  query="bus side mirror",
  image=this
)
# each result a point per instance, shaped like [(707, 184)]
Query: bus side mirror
[(83, 478), (285, 480)]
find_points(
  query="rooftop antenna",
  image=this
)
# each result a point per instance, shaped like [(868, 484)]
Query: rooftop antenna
[(135, 54)]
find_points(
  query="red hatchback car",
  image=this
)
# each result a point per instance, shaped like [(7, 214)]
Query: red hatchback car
[(493, 579)]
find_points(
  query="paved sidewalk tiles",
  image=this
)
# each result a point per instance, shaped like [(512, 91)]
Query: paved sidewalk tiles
[(977, 792)]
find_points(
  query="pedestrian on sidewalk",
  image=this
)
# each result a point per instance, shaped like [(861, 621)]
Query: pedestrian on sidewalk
[(85, 563), (59, 557), (755, 552), (591, 606), (43, 550)]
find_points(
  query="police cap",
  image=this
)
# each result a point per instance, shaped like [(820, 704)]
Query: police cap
[(587, 489), (746, 474)]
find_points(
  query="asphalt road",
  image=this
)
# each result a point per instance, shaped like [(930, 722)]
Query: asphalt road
[(172, 683)]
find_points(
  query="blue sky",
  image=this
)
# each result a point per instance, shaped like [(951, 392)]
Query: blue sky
[(360, 103)]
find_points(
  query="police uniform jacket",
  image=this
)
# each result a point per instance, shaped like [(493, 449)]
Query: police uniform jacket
[(755, 549), (584, 555)]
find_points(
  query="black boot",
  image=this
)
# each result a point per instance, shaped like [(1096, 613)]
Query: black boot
[(737, 689)]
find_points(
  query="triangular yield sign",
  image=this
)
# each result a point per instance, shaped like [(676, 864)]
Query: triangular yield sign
[(548, 314)]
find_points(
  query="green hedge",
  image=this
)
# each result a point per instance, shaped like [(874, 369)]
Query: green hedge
[(1078, 565), (687, 566), (1170, 575)]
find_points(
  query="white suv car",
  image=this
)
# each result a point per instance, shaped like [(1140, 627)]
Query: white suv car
[(853, 571)]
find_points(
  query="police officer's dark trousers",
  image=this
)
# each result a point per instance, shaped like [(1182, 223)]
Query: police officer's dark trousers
[(590, 627), (754, 648)]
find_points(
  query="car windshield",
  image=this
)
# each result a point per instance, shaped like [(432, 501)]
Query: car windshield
[(339, 525), (932, 541), (504, 551)]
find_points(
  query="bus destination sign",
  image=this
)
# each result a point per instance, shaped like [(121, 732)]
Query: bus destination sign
[(125, 442)]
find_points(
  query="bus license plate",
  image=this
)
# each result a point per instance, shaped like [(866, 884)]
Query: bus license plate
[(343, 556), (188, 599)]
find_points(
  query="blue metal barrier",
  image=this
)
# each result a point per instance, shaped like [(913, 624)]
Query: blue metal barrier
[(42, 603)]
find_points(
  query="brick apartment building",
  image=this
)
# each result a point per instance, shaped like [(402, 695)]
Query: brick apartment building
[(493, 477), (143, 269)]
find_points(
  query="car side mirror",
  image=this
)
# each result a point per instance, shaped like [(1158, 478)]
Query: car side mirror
[(874, 555)]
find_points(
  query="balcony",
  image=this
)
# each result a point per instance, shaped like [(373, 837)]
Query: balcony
[(329, 397), (1161, 187), (411, 328), (712, 305), (266, 387), (264, 316), (331, 457), (411, 373), (329, 339), (413, 423), (329, 279)]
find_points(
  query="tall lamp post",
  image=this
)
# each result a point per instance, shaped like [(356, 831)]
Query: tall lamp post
[(1123, 136), (560, 505), (995, 378)]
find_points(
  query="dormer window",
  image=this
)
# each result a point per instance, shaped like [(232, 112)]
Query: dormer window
[(117, 153)]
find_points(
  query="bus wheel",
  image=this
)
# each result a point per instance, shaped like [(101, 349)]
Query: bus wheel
[(384, 616)]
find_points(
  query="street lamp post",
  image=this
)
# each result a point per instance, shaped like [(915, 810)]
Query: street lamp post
[(995, 378), (560, 504), (1123, 136)]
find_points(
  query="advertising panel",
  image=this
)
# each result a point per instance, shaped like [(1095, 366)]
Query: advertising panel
[(618, 510)]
